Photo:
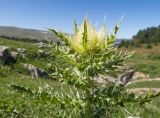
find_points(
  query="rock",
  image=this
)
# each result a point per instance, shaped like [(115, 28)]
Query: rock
[(22, 52), (2, 48), (41, 44), (140, 75), (14, 54), (42, 73), (126, 77), (36, 72), (100, 80), (104, 80), (6, 56)]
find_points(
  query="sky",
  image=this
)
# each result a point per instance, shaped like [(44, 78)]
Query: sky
[(60, 14)]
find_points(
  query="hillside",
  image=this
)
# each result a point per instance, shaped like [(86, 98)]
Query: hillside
[(25, 105), (33, 70), (26, 34)]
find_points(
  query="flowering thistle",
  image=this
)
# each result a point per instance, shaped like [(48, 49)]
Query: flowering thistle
[(87, 39)]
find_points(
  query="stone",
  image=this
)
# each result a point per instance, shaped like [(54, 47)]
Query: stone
[(22, 52), (35, 72), (14, 54), (41, 45), (6, 56), (140, 75), (100, 80), (2, 48), (126, 77)]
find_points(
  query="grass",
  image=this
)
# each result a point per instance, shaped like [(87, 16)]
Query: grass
[(9, 96), (32, 51), (12, 77), (18, 44), (145, 84), (13, 102), (144, 60), (152, 69)]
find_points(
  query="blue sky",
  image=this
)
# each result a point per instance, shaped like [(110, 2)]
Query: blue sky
[(59, 14)]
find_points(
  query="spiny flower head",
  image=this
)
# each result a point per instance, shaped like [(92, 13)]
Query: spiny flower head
[(88, 39)]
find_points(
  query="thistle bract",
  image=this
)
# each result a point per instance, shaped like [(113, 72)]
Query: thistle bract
[(88, 39)]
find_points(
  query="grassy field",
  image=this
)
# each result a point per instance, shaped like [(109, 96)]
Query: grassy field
[(9, 96), (145, 84), (144, 60), (18, 44), (13, 102), (31, 54)]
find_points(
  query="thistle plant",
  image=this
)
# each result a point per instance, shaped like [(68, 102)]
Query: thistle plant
[(88, 54), (79, 59)]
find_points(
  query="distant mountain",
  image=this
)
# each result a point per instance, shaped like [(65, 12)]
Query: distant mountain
[(30, 34), (21, 33)]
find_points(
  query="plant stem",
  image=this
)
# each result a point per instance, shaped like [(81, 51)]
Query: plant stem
[(88, 104)]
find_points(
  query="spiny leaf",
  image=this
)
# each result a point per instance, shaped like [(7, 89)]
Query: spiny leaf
[(117, 26), (84, 38), (61, 35), (75, 27), (116, 29)]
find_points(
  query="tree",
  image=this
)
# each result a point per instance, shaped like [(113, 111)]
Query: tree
[(149, 35)]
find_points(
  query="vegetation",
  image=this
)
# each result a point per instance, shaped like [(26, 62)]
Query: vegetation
[(145, 60), (18, 104), (32, 54), (145, 84), (149, 36), (77, 94), (77, 64)]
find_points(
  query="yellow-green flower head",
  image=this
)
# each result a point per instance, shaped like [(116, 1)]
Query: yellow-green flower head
[(87, 38)]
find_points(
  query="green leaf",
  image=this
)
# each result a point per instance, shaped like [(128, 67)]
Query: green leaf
[(84, 38), (61, 36), (75, 27)]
